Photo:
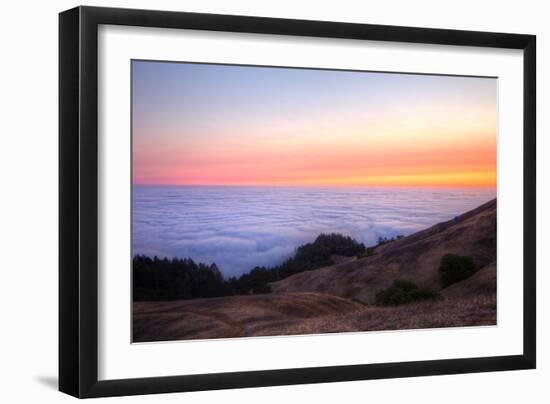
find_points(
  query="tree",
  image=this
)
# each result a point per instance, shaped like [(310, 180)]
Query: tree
[(318, 254), (455, 268)]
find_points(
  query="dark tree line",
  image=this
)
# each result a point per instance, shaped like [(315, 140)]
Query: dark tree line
[(172, 279)]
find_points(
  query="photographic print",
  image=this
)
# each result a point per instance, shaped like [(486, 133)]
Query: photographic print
[(271, 201)]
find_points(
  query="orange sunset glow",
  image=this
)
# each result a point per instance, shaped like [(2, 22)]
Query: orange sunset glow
[(197, 124)]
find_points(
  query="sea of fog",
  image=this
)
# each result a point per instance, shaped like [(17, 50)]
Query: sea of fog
[(242, 227)]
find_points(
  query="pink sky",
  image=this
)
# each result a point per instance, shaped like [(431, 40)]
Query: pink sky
[(355, 129)]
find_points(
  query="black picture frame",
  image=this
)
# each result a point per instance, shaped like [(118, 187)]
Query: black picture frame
[(78, 201)]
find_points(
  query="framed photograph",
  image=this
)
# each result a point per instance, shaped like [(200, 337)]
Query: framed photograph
[(250, 201)]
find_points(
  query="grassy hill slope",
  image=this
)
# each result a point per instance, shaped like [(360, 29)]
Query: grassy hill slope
[(415, 258)]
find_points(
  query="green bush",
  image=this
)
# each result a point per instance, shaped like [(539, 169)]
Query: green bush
[(403, 292), (455, 268), (392, 297)]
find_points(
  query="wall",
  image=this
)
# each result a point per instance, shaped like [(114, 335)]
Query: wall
[(28, 214)]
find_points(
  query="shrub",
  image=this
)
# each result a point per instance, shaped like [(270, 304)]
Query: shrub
[(392, 297), (403, 292), (455, 268)]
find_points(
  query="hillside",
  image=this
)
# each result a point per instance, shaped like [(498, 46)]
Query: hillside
[(415, 258), (298, 313), (233, 316)]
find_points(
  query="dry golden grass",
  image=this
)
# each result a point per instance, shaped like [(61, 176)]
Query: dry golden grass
[(301, 313), (232, 316), (475, 311)]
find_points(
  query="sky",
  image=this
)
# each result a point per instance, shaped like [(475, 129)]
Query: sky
[(205, 124)]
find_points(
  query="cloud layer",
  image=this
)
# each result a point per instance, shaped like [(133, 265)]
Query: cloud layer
[(242, 227)]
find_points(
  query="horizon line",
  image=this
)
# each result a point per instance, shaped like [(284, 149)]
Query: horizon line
[(493, 186)]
